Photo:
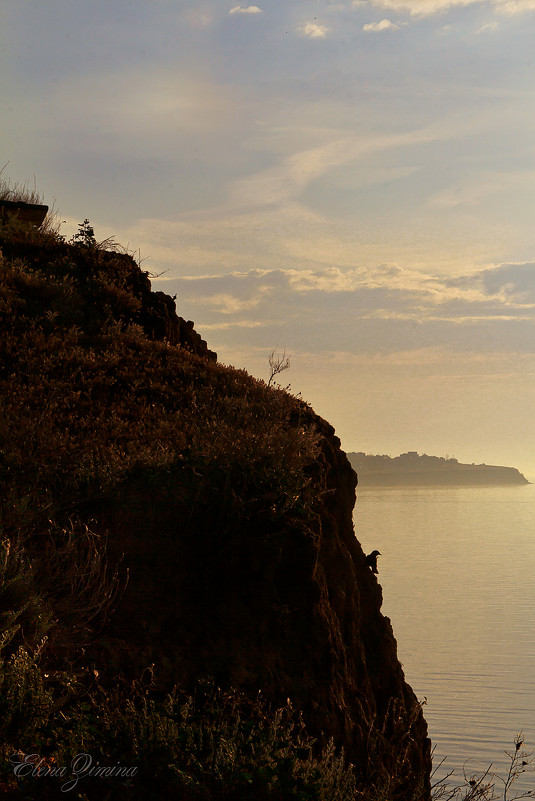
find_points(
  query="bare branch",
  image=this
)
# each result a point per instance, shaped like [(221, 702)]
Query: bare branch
[(277, 364)]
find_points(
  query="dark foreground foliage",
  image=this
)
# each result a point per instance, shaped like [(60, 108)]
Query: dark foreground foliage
[(65, 733)]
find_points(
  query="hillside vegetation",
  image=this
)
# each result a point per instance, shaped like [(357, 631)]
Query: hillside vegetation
[(180, 587)]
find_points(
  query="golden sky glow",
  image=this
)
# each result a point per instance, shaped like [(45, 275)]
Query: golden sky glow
[(351, 181)]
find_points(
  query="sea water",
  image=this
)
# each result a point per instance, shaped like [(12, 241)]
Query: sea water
[(458, 576)]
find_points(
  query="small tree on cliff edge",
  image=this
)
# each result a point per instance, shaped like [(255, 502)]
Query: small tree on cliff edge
[(277, 364), (85, 236)]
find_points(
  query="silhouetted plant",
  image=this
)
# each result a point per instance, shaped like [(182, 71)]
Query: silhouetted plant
[(482, 786), (85, 237), (277, 364), (24, 612), (55, 586), (71, 573)]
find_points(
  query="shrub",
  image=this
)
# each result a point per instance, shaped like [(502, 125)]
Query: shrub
[(85, 237), (213, 745)]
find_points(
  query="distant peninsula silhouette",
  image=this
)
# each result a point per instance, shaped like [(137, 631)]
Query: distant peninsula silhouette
[(414, 470)]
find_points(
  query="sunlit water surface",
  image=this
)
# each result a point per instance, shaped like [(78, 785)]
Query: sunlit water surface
[(458, 577)]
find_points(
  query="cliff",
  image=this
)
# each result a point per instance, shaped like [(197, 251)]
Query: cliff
[(413, 470), (106, 286), (227, 503)]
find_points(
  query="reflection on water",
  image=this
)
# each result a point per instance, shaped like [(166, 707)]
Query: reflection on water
[(458, 577)]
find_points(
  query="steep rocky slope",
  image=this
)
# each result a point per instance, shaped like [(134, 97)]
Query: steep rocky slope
[(228, 503)]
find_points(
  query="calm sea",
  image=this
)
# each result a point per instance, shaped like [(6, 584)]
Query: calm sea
[(458, 577)]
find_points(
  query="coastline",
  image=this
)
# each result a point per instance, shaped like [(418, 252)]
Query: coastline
[(412, 470)]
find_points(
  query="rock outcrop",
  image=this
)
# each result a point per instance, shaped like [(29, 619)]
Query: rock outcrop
[(30, 213)]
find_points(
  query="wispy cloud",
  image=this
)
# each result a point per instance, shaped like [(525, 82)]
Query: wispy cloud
[(141, 102), (199, 18), (246, 10), (286, 180), (424, 8), (384, 25), (488, 27), (473, 189), (462, 195), (232, 324), (514, 7)]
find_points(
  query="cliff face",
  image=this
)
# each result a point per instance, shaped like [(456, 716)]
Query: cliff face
[(287, 606), (230, 505)]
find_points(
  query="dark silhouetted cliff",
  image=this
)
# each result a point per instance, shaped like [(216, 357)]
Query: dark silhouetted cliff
[(229, 504)]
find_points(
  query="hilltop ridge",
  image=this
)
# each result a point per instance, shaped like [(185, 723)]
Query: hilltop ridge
[(412, 469)]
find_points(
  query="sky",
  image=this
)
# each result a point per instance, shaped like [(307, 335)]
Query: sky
[(351, 183)]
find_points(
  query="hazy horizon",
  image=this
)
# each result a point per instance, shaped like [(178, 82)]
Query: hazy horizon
[(351, 181)]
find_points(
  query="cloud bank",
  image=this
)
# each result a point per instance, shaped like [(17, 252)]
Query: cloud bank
[(366, 311)]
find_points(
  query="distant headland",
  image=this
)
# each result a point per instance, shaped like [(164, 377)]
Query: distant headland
[(414, 470)]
